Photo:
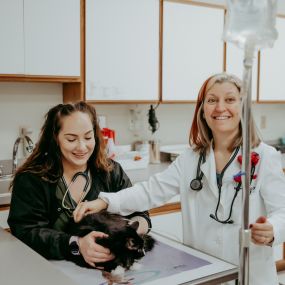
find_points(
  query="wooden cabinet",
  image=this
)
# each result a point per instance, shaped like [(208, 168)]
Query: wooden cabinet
[(40, 37), (272, 62), (122, 50), (234, 65), (12, 37), (192, 48)]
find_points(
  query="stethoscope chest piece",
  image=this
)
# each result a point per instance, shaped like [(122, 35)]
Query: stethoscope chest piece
[(196, 184)]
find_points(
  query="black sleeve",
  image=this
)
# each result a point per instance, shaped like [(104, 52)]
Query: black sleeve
[(120, 180), (30, 217)]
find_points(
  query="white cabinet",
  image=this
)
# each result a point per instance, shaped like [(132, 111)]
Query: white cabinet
[(272, 63), (168, 225), (52, 37), (234, 65), (122, 50), (41, 37), (12, 37), (192, 48)]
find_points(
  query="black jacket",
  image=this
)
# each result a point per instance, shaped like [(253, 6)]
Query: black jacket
[(34, 209)]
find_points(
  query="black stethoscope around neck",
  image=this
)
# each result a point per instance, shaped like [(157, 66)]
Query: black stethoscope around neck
[(85, 174), (197, 185)]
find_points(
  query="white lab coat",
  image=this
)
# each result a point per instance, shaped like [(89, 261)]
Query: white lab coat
[(199, 230)]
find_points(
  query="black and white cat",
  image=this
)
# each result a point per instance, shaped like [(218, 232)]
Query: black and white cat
[(123, 240)]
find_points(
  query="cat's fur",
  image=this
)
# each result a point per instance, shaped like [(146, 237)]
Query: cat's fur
[(123, 241)]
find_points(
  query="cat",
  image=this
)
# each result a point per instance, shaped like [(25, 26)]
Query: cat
[(123, 240)]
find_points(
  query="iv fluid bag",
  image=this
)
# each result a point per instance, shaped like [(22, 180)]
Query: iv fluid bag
[(251, 22)]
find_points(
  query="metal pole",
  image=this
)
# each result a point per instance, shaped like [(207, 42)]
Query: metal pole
[(245, 233)]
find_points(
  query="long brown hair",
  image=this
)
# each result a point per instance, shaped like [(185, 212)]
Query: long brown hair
[(45, 161), (200, 134)]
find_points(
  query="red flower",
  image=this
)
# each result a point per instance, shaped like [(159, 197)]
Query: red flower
[(254, 158), (239, 159), (237, 177), (254, 161)]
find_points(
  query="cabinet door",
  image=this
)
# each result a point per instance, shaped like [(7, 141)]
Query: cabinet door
[(12, 37), (52, 37), (122, 50), (272, 62), (192, 48), (168, 225), (234, 60)]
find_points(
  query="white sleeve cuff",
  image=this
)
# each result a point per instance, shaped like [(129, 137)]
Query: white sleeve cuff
[(113, 201)]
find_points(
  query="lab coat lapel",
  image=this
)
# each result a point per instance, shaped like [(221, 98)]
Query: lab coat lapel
[(209, 170)]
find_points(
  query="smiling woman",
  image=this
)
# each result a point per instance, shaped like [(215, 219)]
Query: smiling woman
[(68, 165)]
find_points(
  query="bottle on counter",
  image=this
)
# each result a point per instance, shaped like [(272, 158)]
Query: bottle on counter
[(154, 152)]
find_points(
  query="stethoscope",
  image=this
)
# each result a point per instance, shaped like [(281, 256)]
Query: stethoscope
[(84, 192), (197, 185)]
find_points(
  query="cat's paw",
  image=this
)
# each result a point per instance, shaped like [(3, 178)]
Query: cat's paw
[(118, 271), (136, 266), (117, 276)]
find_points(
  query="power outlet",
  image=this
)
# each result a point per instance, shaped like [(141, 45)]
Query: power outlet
[(263, 122)]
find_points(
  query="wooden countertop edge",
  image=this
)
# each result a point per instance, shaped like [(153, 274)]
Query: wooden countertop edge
[(166, 209), (280, 265)]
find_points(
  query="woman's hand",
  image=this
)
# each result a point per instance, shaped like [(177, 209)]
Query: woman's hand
[(262, 232), (91, 251), (88, 207)]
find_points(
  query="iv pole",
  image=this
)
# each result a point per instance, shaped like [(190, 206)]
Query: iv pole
[(251, 35), (245, 233)]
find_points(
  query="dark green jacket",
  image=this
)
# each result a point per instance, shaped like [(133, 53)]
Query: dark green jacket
[(34, 209)]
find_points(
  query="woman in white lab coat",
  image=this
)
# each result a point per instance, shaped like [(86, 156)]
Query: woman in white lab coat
[(207, 177)]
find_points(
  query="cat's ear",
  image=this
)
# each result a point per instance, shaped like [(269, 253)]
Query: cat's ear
[(134, 225)]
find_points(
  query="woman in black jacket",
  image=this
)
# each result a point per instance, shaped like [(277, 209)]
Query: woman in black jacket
[(68, 165)]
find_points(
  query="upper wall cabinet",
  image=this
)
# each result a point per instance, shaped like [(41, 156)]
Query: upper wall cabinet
[(234, 65), (12, 37), (192, 48), (52, 37), (122, 50), (272, 63), (41, 37)]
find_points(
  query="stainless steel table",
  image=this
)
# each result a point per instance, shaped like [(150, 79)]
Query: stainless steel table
[(21, 265), (170, 263)]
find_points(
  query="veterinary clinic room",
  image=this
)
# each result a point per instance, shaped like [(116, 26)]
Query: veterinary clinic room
[(142, 142)]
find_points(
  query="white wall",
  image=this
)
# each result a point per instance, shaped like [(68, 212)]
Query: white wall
[(25, 104), (175, 121)]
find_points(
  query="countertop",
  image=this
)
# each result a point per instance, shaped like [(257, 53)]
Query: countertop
[(21, 265), (138, 175)]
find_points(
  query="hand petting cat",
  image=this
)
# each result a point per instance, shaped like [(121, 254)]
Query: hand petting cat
[(88, 207), (91, 251)]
